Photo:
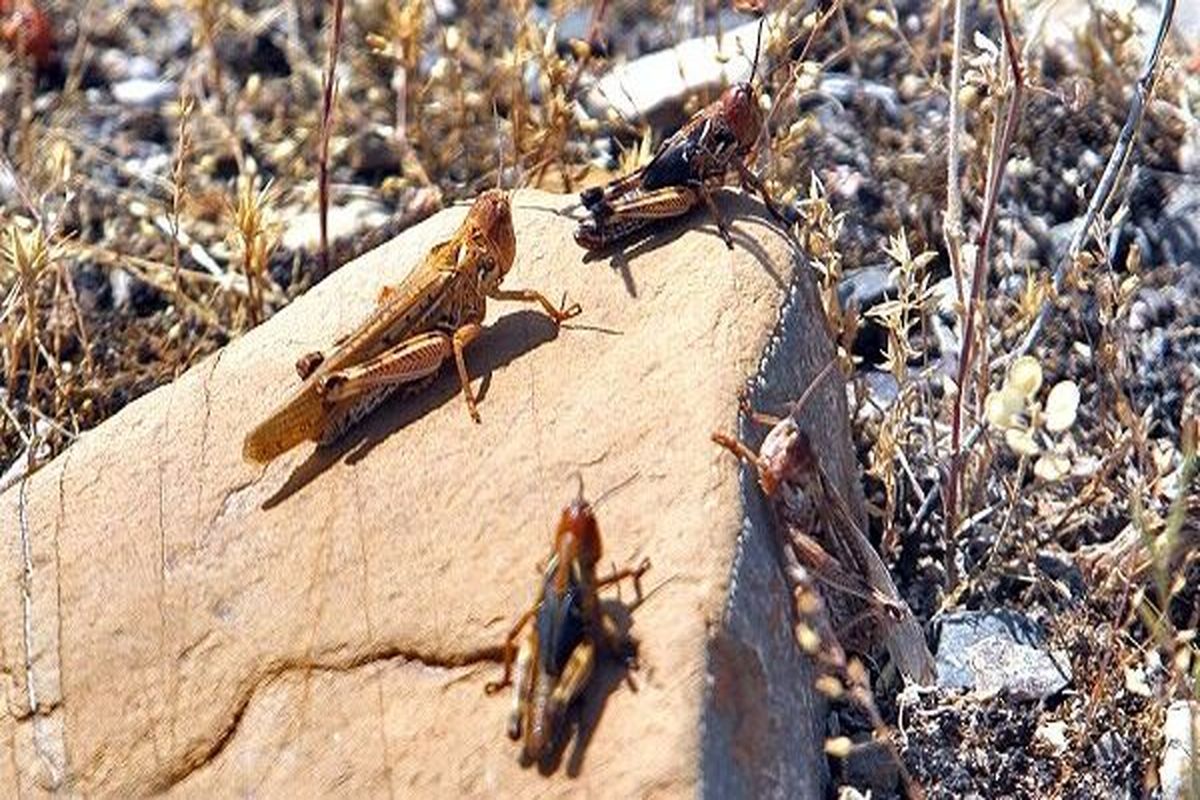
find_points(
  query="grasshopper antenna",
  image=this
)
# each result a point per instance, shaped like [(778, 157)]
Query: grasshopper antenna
[(578, 476), (812, 387), (757, 48), (610, 491)]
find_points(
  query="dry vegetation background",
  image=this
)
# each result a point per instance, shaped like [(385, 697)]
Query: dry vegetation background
[(159, 187)]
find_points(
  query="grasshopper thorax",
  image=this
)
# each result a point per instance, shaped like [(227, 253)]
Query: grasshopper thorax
[(491, 217), (577, 540), (740, 110)]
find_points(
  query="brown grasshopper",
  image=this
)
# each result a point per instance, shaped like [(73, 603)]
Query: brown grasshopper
[(683, 172), (556, 658), (431, 316), (816, 532)]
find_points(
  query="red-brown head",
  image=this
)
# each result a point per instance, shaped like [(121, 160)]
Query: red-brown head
[(741, 112), (786, 455), (491, 217), (577, 540)]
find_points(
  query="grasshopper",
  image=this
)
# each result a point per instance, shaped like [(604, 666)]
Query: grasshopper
[(431, 316), (683, 172), (816, 533), (556, 658)]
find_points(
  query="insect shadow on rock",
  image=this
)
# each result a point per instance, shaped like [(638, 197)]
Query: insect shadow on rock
[(511, 337), (622, 253)]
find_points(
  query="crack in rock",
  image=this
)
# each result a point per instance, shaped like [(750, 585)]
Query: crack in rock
[(208, 752), (48, 741)]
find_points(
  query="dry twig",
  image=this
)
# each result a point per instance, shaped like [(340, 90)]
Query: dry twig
[(328, 98), (978, 287)]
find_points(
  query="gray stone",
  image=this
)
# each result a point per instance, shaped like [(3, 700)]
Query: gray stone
[(998, 651), (865, 287), (646, 86), (144, 93)]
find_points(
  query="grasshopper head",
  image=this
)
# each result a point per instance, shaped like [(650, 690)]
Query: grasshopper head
[(491, 216), (739, 107), (577, 540), (786, 453)]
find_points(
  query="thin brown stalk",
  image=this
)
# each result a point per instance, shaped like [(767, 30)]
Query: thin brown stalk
[(328, 99), (179, 184), (995, 180), (952, 224)]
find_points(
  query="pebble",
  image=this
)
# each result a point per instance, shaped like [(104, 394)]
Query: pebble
[(1053, 735), (143, 92), (1151, 308), (651, 84), (374, 153), (865, 287), (1180, 732), (998, 651), (304, 230), (446, 10), (116, 66)]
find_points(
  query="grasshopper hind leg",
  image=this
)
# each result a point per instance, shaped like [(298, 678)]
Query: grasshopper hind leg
[(522, 685)]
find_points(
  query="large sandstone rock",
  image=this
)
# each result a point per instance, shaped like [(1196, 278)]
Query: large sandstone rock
[(174, 619)]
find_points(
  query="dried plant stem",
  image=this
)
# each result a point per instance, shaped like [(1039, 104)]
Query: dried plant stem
[(1098, 201), (952, 225), (179, 185), (328, 99), (978, 288)]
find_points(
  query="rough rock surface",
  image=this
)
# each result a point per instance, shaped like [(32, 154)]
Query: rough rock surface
[(174, 619)]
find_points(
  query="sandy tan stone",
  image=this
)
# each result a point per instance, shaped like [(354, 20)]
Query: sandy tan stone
[(176, 619)]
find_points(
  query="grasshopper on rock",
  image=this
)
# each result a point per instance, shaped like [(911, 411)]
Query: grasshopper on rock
[(556, 658), (683, 172), (816, 532), (430, 317)]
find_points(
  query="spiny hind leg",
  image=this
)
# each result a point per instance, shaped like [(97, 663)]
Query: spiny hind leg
[(722, 227), (596, 198), (633, 212), (664, 203), (410, 360), (496, 686), (575, 675), (524, 682)]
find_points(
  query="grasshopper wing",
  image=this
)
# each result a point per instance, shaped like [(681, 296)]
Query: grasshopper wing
[(409, 309)]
